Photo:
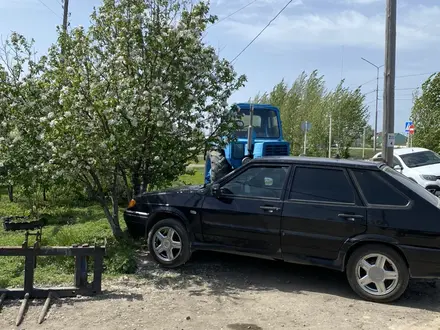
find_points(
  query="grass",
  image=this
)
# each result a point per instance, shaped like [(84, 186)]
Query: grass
[(67, 225), (357, 153), (194, 177)]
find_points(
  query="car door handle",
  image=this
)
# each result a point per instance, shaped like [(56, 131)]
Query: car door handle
[(270, 209), (350, 217)]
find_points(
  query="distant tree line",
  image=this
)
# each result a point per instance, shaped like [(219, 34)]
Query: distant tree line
[(308, 99), (426, 114)]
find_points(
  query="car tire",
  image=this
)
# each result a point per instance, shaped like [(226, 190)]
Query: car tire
[(219, 165), (176, 248), (386, 267)]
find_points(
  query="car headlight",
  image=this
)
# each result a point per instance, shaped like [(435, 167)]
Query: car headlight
[(428, 177)]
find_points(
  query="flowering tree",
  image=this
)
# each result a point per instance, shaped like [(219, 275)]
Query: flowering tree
[(132, 97), (23, 153)]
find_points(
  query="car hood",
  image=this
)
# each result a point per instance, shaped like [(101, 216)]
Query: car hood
[(433, 169), (173, 196), (180, 190)]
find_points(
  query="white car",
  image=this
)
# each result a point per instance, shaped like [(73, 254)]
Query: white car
[(419, 164)]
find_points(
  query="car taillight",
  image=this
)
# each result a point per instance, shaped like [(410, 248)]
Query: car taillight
[(131, 204)]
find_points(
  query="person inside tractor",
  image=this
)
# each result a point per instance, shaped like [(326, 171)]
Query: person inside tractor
[(264, 123)]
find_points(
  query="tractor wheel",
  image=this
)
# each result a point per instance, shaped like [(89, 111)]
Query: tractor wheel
[(219, 165)]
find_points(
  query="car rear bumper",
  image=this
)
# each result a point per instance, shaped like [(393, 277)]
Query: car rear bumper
[(423, 262), (136, 222)]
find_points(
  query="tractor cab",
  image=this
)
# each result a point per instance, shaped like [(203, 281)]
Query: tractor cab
[(260, 134)]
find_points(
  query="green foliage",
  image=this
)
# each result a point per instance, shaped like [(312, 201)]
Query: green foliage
[(69, 223), (121, 257), (426, 113), (114, 109), (309, 100), (66, 225)]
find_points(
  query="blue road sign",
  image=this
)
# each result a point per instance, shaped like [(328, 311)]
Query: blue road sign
[(306, 126), (407, 125)]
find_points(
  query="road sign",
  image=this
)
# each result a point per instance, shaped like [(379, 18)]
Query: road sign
[(411, 129), (306, 126), (407, 125), (391, 140)]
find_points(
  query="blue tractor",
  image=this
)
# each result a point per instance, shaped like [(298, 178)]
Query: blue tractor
[(259, 134)]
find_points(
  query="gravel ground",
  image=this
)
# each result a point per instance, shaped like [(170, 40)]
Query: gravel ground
[(219, 291)]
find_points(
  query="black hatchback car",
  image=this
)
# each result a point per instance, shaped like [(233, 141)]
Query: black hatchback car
[(359, 217)]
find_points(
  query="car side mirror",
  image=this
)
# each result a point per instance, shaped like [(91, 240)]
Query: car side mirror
[(215, 190), (398, 168)]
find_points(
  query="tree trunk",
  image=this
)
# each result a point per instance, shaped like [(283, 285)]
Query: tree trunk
[(44, 195), (113, 219), (144, 183), (137, 184), (128, 191), (11, 193)]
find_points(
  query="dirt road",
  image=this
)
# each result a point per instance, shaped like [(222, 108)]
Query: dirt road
[(216, 291)]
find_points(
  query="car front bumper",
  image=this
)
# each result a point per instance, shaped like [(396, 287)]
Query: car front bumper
[(434, 189), (136, 222), (423, 262)]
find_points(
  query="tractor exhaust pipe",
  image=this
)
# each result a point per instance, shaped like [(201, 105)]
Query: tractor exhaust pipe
[(249, 143)]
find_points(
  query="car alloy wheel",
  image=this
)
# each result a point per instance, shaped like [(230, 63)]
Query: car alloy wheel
[(376, 274), (167, 244)]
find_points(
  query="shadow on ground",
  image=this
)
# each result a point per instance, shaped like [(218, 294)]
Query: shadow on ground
[(218, 274)]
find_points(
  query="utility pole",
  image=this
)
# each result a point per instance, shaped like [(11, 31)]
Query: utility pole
[(363, 144), (305, 140), (389, 83), (377, 101), (330, 137), (66, 14)]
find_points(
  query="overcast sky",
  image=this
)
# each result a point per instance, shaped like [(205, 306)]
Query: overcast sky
[(328, 35)]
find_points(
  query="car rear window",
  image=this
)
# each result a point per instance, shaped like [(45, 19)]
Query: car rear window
[(377, 191), (415, 187)]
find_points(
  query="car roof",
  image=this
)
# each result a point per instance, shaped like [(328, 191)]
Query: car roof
[(404, 151), (319, 161)]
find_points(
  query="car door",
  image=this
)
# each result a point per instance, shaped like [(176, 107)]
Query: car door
[(321, 211), (247, 214)]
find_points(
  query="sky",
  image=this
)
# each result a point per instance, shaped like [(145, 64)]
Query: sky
[(330, 36)]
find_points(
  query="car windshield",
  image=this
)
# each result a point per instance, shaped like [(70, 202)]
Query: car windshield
[(264, 123), (421, 158), (418, 189)]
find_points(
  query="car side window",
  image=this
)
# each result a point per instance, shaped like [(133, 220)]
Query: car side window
[(376, 190), (258, 181), (322, 185)]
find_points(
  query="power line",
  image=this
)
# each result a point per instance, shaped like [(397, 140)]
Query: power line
[(374, 79), (373, 91), (41, 1), (404, 76), (417, 74), (232, 14), (256, 37)]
